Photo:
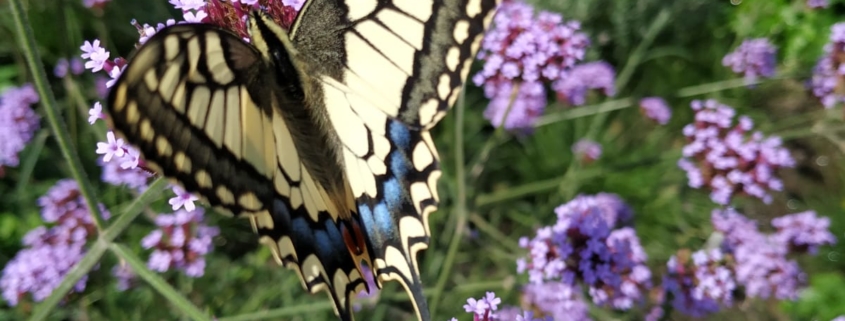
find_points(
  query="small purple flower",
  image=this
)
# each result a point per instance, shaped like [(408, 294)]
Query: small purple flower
[(817, 4), (655, 108), (96, 55), (521, 52), (754, 58), (728, 158), (124, 276), (94, 3), (803, 232), (112, 148), (373, 291), (588, 150), (18, 122), (120, 173), (484, 309), (181, 242), (182, 198), (573, 88), (96, 112)]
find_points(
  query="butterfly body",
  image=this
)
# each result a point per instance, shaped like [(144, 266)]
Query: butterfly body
[(319, 135)]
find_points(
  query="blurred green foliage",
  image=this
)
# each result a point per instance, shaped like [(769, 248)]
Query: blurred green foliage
[(513, 182)]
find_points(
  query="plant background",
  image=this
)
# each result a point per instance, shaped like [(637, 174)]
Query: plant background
[(671, 49)]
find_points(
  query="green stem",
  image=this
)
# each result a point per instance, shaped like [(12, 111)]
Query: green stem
[(638, 54), (158, 283), (48, 101), (460, 207), (277, 314), (98, 248)]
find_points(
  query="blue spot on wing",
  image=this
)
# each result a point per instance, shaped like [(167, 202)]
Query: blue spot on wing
[(399, 134)]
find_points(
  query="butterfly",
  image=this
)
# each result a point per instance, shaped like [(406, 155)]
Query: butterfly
[(318, 134)]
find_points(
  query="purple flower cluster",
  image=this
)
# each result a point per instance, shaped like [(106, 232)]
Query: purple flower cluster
[(573, 88), (521, 52), (588, 150), (655, 108), (754, 58), (829, 74), (761, 263), (487, 309), (747, 261), (585, 246), (722, 155), (181, 242), (18, 123), (51, 252), (699, 283)]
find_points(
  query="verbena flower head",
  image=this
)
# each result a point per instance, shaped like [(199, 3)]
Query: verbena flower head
[(754, 58), (522, 51), (656, 109), (699, 283), (573, 88), (50, 253), (18, 122), (730, 159), (181, 242), (828, 74), (803, 232), (583, 246), (75, 66)]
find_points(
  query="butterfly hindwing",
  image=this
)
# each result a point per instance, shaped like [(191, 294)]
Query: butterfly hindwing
[(188, 101), (401, 67)]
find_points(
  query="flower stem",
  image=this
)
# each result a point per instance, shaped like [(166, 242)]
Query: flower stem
[(48, 101)]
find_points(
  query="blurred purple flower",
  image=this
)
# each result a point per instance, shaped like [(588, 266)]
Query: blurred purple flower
[(803, 232), (829, 74), (573, 87), (588, 150), (754, 58), (124, 276), (373, 291), (94, 3), (817, 4), (726, 159), (521, 52), (181, 242), (761, 264), (18, 122), (50, 253), (556, 300), (583, 246), (655, 108)]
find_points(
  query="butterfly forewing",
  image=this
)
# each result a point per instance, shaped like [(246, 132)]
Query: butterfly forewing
[(186, 100)]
